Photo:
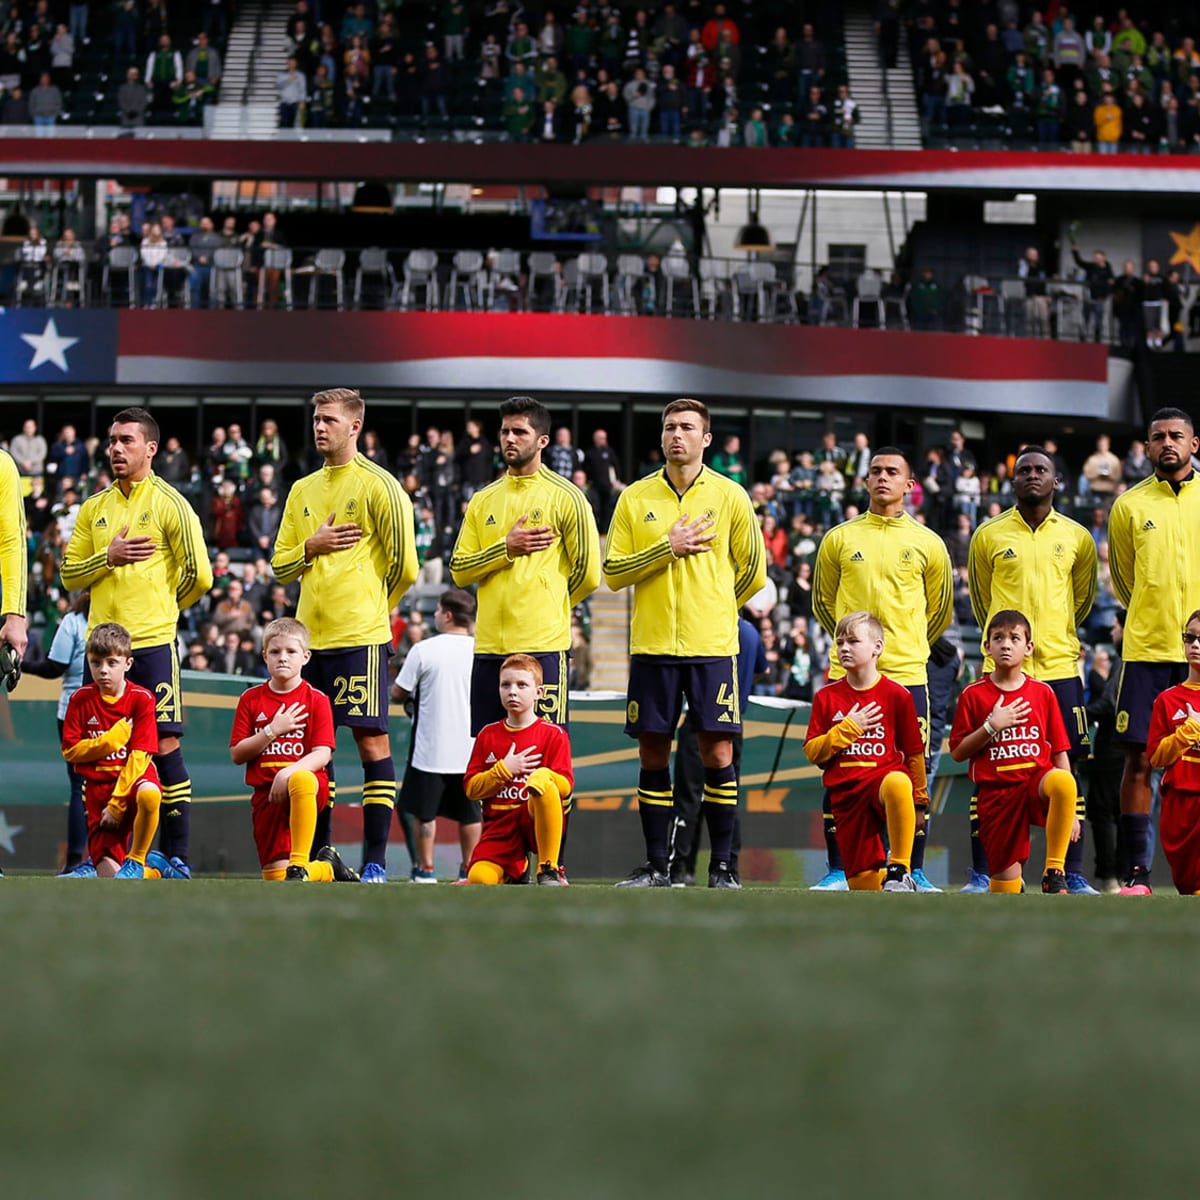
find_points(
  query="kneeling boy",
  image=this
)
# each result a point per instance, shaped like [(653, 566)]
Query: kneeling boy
[(283, 732), (1173, 746), (110, 737), (864, 734), (520, 769), (1010, 727)]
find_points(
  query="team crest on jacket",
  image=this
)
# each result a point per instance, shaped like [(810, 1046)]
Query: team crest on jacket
[(535, 516), (144, 519), (351, 507), (631, 712)]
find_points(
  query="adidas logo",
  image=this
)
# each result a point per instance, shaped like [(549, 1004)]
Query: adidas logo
[(491, 758), (101, 523), (355, 711), (1149, 525), (1179, 715), (262, 716), (857, 556), (1009, 553), (93, 721), (306, 512), (491, 520), (649, 517)]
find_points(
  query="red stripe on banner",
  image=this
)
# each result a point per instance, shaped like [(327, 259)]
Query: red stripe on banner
[(768, 350)]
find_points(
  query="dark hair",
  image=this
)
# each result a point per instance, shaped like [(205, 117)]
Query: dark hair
[(685, 404), (1172, 414), (1009, 618), (527, 406), (893, 452), (138, 416), (1026, 451), (458, 605)]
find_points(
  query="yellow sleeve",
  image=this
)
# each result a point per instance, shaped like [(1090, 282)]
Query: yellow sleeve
[(1173, 746), (470, 563), (135, 767), (916, 768), (821, 748), (1120, 556), (581, 541), (186, 539), (288, 562), (939, 592), (82, 564), (394, 528), (979, 576), (747, 549), (623, 565), (487, 783), (14, 553), (827, 577), (1083, 577), (100, 746)]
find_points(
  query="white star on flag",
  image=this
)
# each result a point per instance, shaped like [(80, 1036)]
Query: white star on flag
[(49, 347), (7, 833)]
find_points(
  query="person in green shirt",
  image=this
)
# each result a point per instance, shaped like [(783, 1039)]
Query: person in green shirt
[(455, 27), (519, 116), (190, 98), (728, 460), (581, 41), (550, 81)]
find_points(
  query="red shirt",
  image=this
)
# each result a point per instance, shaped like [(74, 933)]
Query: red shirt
[(1021, 752), (884, 747), (255, 709), (1169, 712), (89, 714), (495, 741)]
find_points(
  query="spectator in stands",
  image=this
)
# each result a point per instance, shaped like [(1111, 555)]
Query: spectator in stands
[(292, 89), (474, 458), (754, 132), (372, 449), (262, 521), (164, 73), (581, 41), (1136, 465), (551, 83), (1079, 122), (1069, 53), (814, 122), (67, 458), (932, 85), (456, 24), (16, 108), (204, 62), (305, 48), (1141, 126), (62, 56), (28, 448), (960, 92), (204, 244), (355, 23), (171, 464), (189, 98), (1049, 108), (1102, 473), (45, 102), (322, 100), (132, 100), (521, 47), (728, 460), (1037, 299), (1110, 122), (1154, 305), (1098, 275), (844, 118), (958, 542), (562, 457), (602, 468), (227, 518), (234, 613), (640, 99), (670, 101), (1127, 304), (153, 253), (926, 302), (125, 31), (519, 116)]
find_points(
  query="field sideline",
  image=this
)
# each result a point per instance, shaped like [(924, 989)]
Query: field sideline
[(235, 1038)]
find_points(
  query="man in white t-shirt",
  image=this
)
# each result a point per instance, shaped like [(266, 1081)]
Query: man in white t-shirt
[(437, 674)]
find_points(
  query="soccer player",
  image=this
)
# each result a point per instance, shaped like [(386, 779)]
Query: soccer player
[(863, 734), (520, 770), (530, 542), (884, 562), (1009, 726), (1033, 559), (687, 541), (1154, 557), (139, 546), (14, 561), (1173, 747), (110, 737), (347, 533), (283, 733), (437, 675)]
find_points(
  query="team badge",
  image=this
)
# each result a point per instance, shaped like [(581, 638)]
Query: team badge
[(144, 520), (1059, 549), (631, 712), (1122, 722), (906, 557), (351, 508), (535, 516)]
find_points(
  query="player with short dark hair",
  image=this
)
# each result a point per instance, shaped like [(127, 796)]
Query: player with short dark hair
[(885, 562), (1154, 557), (139, 546), (347, 534), (686, 540), (1036, 560), (529, 543)]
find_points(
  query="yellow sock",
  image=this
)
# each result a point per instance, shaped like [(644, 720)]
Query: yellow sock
[(867, 881), (145, 824), (1009, 886), (274, 873), (319, 872), (896, 792), (302, 817), (485, 872), (1059, 789), (151, 873), (546, 806)]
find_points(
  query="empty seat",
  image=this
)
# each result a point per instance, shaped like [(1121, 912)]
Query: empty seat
[(374, 279), (420, 275), (465, 276)]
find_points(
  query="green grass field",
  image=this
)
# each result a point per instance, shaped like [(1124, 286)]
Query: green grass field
[(229, 1038)]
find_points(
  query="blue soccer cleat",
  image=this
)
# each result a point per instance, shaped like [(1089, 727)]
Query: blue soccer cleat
[(831, 881), (977, 883), (373, 873), (923, 884), (419, 876), (131, 869), (164, 866), (182, 870), (83, 870), (1077, 885)]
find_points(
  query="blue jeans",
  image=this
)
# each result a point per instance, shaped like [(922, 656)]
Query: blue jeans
[(669, 124), (78, 23), (639, 123), (384, 82)]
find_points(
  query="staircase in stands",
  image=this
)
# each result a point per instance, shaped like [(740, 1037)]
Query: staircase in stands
[(610, 639), (903, 132), (249, 106)]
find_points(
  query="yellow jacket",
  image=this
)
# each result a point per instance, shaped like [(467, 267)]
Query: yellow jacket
[(14, 554)]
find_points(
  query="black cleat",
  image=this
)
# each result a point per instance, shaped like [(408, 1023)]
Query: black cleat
[(1138, 883), (10, 667), (1054, 882), (720, 876), (341, 872), (551, 876), (680, 875), (646, 876), (296, 874)]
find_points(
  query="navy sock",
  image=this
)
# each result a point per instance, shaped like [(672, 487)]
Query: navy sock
[(979, 862), (920, 840), (174, 820), (1135, 830), (76, 821), (720, 788), (379, 799), (323, 833), (654, 808), (832, 853)]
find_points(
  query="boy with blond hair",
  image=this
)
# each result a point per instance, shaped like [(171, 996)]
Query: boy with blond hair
[(283, 734), (520, 769), (864, 734)]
